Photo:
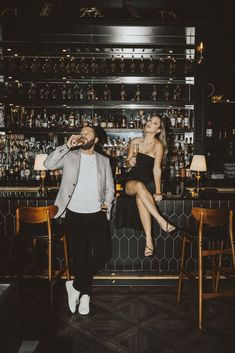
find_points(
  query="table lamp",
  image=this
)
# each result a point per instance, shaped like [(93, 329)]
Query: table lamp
[(38, 165), (198, 164)]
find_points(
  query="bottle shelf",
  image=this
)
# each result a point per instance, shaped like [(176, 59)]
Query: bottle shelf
[(71, 130), (126, 79), (106, 74), (103, 104)]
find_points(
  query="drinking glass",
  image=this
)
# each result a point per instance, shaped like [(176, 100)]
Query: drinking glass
[(135, 150)]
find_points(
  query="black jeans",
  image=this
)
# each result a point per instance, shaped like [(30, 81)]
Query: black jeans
[(89, 244)]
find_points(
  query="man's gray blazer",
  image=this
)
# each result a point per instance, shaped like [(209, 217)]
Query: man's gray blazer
[(69, 160)]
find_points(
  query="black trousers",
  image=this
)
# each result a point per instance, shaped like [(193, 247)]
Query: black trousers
[(89, 244)]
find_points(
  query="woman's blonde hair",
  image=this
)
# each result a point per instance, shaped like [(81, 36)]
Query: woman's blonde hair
[(161, 136)]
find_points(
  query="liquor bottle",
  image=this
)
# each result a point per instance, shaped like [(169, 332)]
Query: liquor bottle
[(150, 68), (20, 90), (103, 122), (123, 119), (142, 65), (154, 93), (54, 93), (64, 92), (103, 66), (229, 164), (131, 123), (93, 67), (61, 66), (161, 66), (209, 130), (137, 96), (76, 92), (188, 66), (179, 120), (123, 93), (110, 122), (166, 93), (73, 65), (93, 94), (71, 120), (171, 66), (113, 67), (122, 65), (89, 92), (132, 65), (32, 91), (187, 125), (172, 119), (142, 118), (177, 94), (81, 94), (36, 65), (138, 122), (69, 92), (118, 181), (47, 92), (106, 92), (47, 66), (95, 120), (82, 66), (24, 65)]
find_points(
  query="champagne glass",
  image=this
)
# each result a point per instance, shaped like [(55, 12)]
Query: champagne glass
[(135, 150)]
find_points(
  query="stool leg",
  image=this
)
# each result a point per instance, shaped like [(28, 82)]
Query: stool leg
[(181, 274), (66, 257), (49, 260), (200, 285), (218, 266)]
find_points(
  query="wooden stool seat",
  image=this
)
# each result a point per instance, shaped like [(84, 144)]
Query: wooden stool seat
[(213, 238), (26, 219)]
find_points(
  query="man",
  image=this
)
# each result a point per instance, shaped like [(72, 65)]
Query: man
[(86, 194)]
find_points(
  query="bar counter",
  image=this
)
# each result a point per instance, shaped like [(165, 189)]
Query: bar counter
[(127, 240)]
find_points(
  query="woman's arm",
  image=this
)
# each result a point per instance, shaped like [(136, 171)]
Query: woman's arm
[(157, 169)]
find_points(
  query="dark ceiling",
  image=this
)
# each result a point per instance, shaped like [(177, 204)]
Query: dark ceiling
[(213, 18), (198, 10)]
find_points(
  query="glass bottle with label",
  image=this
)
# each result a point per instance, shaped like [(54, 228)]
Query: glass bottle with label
[(123, 93), (209, 130)]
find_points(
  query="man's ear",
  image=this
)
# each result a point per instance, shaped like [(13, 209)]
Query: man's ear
[(96, 139)]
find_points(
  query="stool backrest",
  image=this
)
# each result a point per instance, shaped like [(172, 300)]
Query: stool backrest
[(212, 216), (35, 215)]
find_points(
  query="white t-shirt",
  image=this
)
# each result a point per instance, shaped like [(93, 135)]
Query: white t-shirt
[(85, 197)]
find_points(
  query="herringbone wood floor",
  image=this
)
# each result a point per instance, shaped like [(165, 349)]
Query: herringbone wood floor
[(127, 320)]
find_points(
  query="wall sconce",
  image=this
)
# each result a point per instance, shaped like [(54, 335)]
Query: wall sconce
[(200, 50), (198, 164), (38, 165)]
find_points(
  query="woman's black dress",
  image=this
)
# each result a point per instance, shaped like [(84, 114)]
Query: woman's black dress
[(127, 214)]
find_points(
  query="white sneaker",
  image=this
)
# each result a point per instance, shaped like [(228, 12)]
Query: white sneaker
[(73, 296), (84, 305)]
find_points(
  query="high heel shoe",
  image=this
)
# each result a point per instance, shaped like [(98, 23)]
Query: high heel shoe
[(148, 251), (170, 228)]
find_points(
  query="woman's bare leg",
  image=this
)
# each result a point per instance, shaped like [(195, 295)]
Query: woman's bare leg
[(145, 218), (135, 187)]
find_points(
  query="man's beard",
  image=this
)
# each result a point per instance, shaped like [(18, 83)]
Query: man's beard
[(88, 145)]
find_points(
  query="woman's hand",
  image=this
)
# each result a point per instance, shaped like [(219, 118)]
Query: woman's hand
[(157, 197), (131, 161)]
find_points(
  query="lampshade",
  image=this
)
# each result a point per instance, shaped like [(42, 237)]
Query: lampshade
[(198, 163), (39, 159)]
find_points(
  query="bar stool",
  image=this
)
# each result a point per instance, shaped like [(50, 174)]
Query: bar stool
[(214, 238), (26, 216)]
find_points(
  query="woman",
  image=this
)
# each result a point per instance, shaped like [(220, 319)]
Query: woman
[(144, 180)]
